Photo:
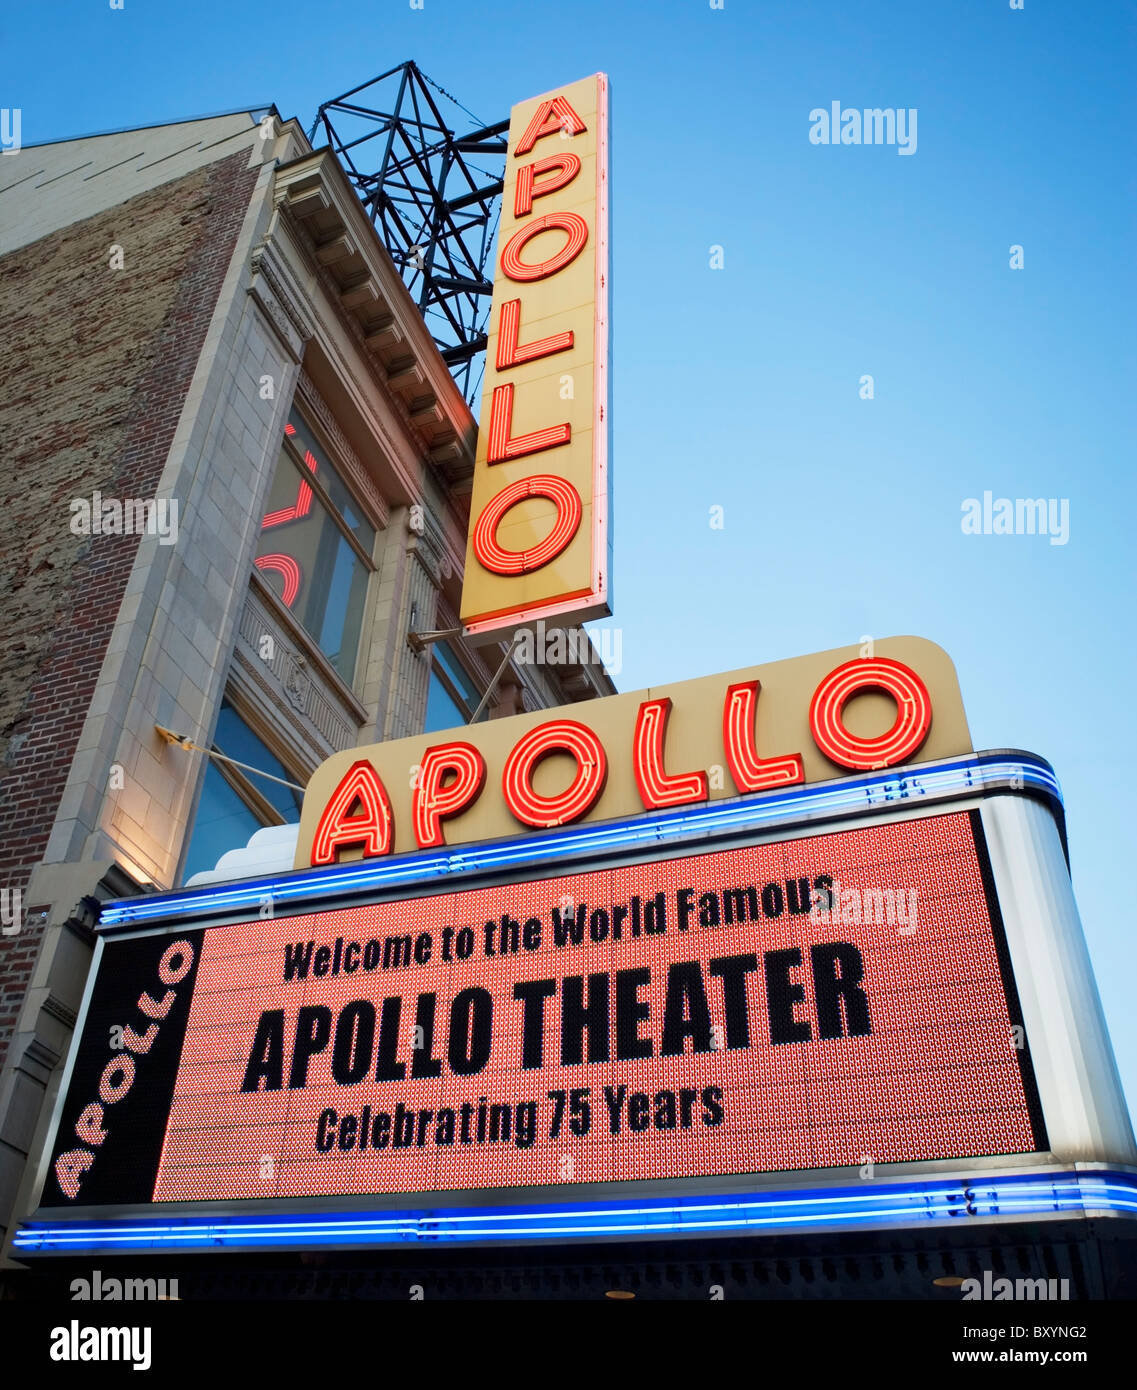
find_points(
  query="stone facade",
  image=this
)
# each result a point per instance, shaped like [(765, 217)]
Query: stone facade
[(99, 361), (166, 296)]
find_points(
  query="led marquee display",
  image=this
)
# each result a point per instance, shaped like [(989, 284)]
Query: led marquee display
[(839, 999)]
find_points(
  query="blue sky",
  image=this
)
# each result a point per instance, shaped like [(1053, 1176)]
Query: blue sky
[(740, 387)]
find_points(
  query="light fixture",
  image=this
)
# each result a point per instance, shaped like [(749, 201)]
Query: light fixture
[(419, 641), (183, 741), (971, 1200)]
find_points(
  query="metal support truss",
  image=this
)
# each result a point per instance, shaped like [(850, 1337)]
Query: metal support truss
[(435, 208)]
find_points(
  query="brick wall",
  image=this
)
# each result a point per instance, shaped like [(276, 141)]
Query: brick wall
[(97, 364)]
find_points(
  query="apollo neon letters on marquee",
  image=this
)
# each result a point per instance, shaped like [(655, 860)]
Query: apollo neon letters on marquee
[(355, 816), (539, 537), (725, 991)]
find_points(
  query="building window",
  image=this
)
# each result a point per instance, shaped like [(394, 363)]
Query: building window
[(235, 804), (316, 546), (452, 696)]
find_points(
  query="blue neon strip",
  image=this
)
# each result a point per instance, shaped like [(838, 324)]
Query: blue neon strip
[(1063, 1194), (961, 775)]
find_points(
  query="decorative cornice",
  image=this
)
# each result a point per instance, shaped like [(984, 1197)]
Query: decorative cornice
[(355, 271), (428, 546), (57, 1009), (449, 525), (39, 1059), (273, 292)]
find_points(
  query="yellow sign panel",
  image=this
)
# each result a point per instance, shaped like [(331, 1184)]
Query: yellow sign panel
[(760, 729), (539, 538)]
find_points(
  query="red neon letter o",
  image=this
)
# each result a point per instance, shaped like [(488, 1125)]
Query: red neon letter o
[(515, 268), (497, 560), (559, 736), (124, 1064), (169, 973), (913, 713)]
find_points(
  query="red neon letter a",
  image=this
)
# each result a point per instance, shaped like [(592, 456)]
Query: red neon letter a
[(551, 116), (372, 826)]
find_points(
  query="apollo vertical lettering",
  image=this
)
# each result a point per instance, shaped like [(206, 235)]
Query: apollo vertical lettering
[(538, 542)]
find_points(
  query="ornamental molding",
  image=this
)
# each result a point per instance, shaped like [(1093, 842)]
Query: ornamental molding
[(301, 694), (429, 548), (55, 1008), (274, 291)]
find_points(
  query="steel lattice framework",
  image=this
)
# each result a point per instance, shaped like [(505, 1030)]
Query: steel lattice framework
[(435, 209)]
